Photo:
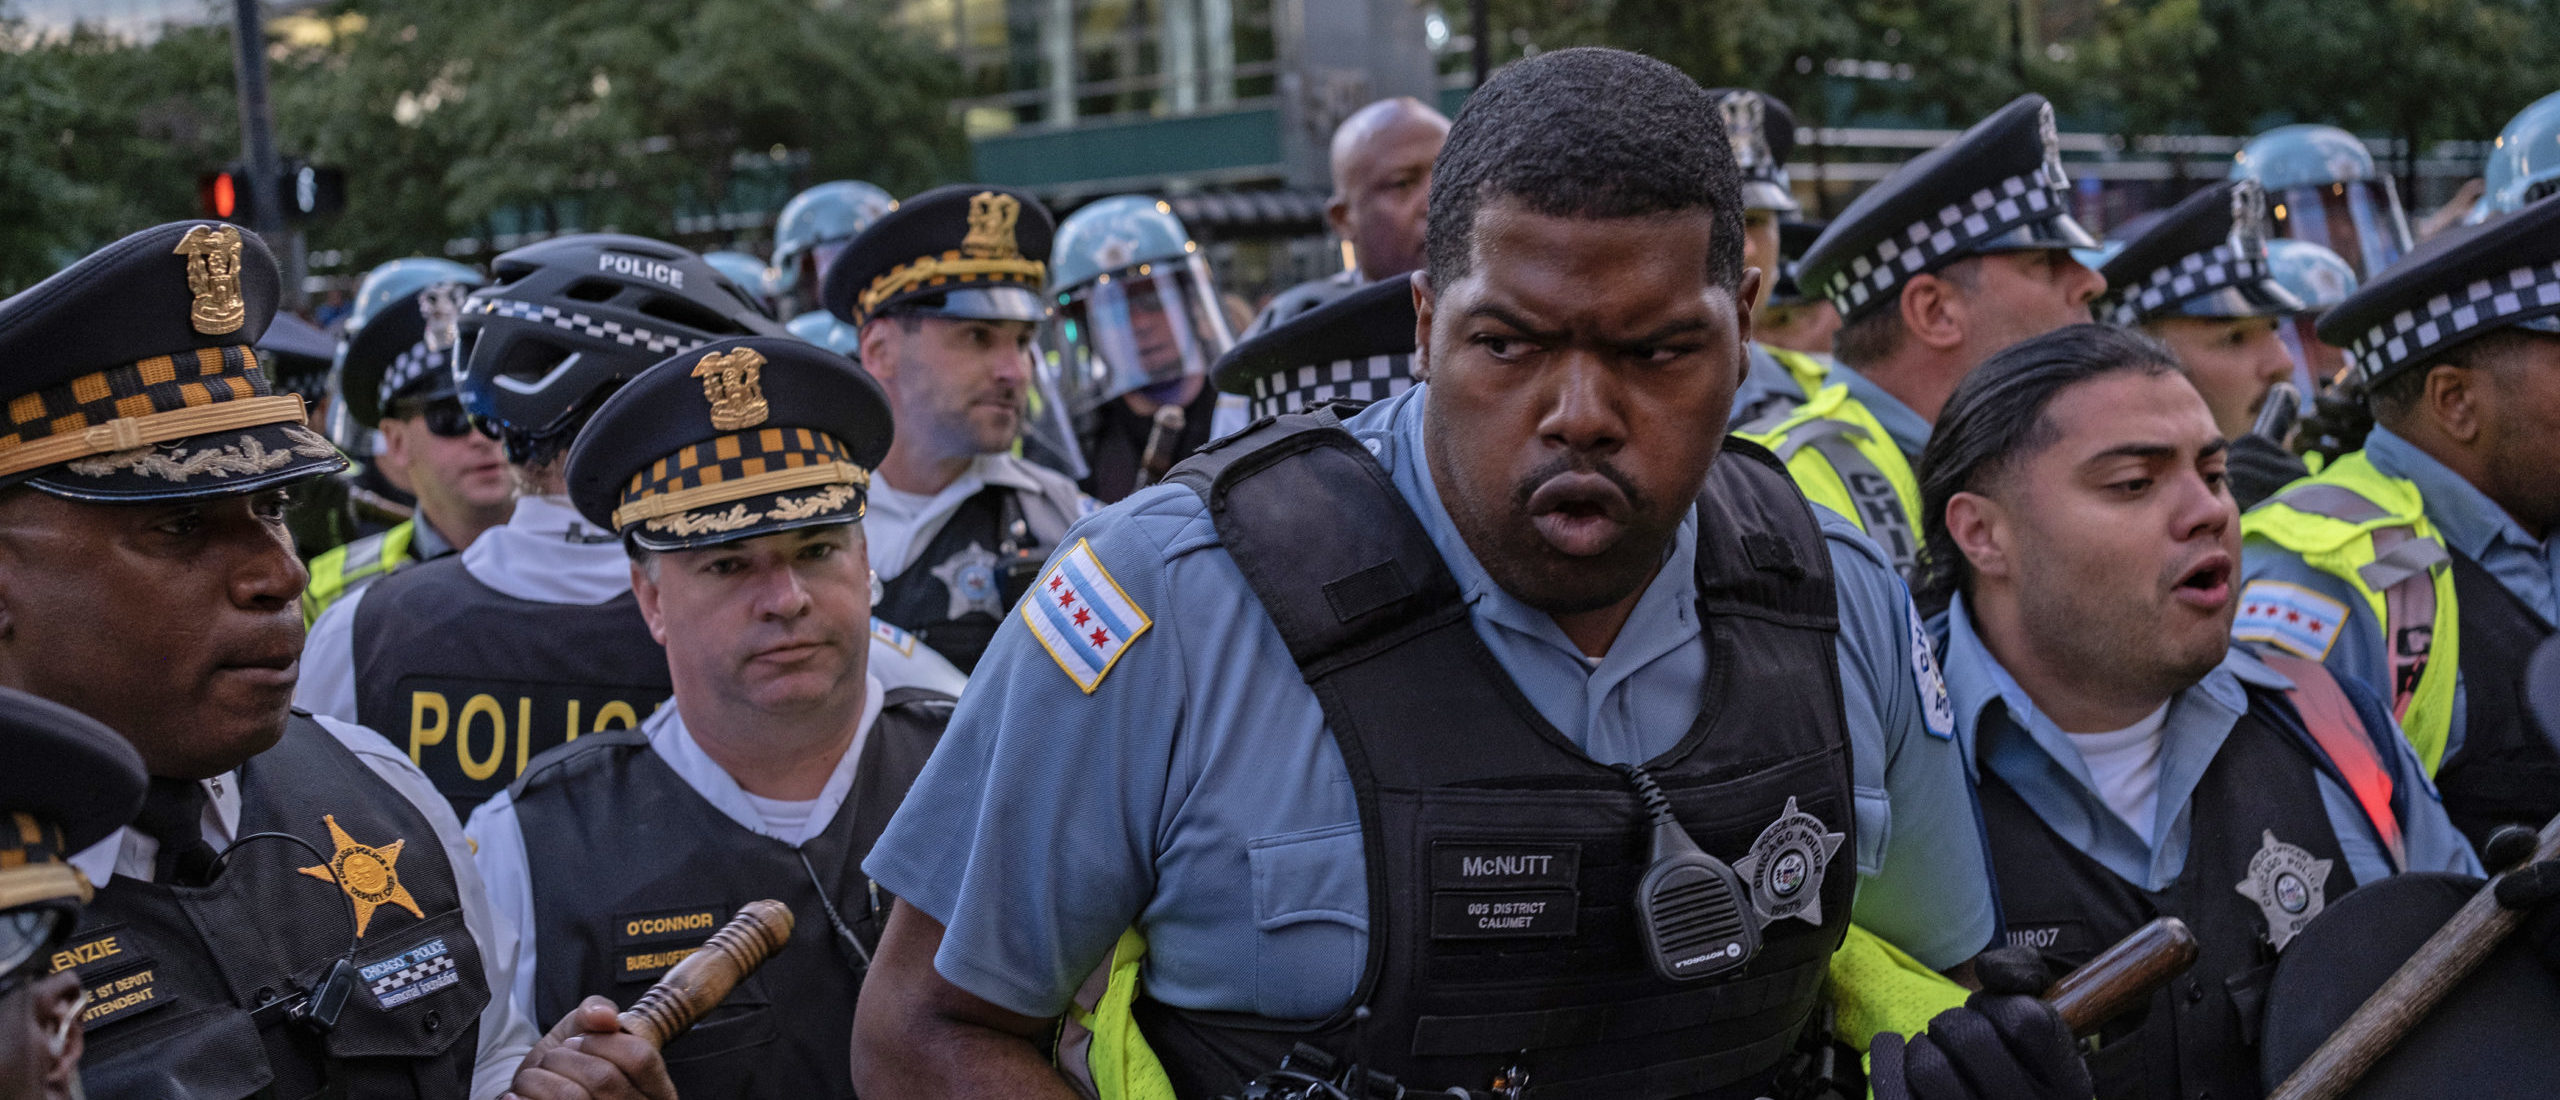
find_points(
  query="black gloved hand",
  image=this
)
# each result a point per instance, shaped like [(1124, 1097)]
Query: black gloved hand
[(2258, 467), (2004, 1044), (2532, 889)]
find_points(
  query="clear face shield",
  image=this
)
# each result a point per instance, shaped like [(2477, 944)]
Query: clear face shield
[(2360, 221), (1151, 325)]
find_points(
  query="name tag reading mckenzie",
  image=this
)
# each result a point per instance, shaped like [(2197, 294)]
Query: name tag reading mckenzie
[(1496, 890)]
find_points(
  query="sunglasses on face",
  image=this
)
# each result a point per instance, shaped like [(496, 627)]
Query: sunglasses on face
[(444, 418)]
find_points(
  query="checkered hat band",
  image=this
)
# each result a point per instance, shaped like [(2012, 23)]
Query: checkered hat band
[(2449, 318), (1987, 213), (1375, 378), (734, 457), (406, 370), (632, 336), (25, 841), (2194, 274), (948, 269), (160, 384)]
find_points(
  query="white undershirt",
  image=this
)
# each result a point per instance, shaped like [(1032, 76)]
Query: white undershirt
[(2125, 765), (782, 818)]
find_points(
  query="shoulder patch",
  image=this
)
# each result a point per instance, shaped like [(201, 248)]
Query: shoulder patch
[(1082, 617), (2289, 617), (888, 634), (1935, 708)]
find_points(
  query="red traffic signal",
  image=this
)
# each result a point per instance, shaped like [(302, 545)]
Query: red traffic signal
[(224, 194)]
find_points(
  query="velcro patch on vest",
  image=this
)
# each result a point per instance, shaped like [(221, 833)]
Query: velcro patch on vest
[(1503, 889), (99, 949), (2289, 617), (411, 974), (122, 991), (1082, 616)]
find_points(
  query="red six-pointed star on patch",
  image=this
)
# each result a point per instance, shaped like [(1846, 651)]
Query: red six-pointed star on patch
[(1100, 637), (1067, 598), (1082, 615)]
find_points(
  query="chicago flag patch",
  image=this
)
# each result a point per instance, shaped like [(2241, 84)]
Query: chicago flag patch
[(1082, 617), (2289, 617)]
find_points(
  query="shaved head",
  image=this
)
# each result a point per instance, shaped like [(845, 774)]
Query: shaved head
[(1382, 158)]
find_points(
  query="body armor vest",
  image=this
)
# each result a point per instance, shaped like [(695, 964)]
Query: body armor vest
[(190, 988), (632, 870), (1502, 861), (475, 683), (965, 581), (1117, 445), (2199, 1034), (2506, 772)]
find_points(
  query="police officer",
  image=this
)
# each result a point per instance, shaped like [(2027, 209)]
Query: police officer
[(946, 291), (735, 474), (329, 511), (2198, 280), (2322, 187), (1351, 352), (2524, 163), (1455, 659), (2421, 566), (69, 783), (2133, 763), (1763, 131), (1138, 323), (558, 645), (293, 910), (1381, 161), (749, 273), (1794, 318), (1954, 256), (812, 230), (394, 374)]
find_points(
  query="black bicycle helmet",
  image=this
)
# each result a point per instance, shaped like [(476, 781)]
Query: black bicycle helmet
[(563, 323)]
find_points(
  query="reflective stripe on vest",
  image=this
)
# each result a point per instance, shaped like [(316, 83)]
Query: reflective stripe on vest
[(1842, 458), (1811, 372), (2340, 524), (373, 555), (2334, 725)]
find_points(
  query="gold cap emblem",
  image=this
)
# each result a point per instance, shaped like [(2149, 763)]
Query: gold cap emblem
[(733, 381), (991, 220), (213, 273)]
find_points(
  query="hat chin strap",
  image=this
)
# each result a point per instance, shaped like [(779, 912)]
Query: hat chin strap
[(42, 882)]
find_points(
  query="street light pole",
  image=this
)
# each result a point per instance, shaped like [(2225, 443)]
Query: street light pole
[(258, 143)]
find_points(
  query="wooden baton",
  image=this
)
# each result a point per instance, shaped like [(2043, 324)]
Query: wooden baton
[(2403, 1002), (2122, 975), (704, 978)]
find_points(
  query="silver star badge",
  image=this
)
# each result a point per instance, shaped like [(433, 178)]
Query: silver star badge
[(1786, 866), (970, 577), (2288, 886)]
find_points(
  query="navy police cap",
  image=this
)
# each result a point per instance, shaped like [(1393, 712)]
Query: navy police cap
[(1998, 187), (2207, 257), (130, 376), (968, 250), (2465, 282), (735, 439), (1357, 347), (70, 782)]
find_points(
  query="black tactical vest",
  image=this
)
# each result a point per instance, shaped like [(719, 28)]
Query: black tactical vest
[(1117, 446), (2507, 772), (1502, 861), (987, 542), (2199, 1034), (189, 988), (632, 870), (475, 683)]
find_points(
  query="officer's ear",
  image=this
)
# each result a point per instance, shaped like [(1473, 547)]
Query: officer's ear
[(1933, 311), (878, 349), (2453, 396), (1422, 303), (1980, 529), (644, 588)]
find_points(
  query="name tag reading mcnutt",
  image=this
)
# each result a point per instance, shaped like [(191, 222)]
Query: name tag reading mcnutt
[(1496, 889)]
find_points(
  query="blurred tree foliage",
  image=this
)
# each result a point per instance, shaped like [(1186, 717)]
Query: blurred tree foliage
[(444, 113)]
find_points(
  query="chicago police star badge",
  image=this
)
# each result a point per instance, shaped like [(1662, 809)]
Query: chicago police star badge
[(368, 874), (1786, 866), (2288, 885)]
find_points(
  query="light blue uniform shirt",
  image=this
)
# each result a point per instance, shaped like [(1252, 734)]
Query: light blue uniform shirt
[(2472, 525), (1768, 388), (1909, 431), (2037, 759), (1198, 794)]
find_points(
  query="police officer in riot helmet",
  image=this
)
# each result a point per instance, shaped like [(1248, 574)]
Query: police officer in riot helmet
[(1137, 327), (947, 292), (558, 645), (397, 400), (2322, 187), (2524, 163), (1475, 660), (812, 230)]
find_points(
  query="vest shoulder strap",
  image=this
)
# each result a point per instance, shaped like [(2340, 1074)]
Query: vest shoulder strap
[(555, 763), (2343, 737), (921, 698), (1760, 551)]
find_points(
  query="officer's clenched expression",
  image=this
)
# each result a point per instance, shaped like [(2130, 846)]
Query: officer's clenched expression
[(1580, 372), (777, 624), (2107, 556), (175, 624), (955, 385)]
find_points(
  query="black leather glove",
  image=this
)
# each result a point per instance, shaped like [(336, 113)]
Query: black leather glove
[(2004, 1044), (2258, 467), (2532, 889)]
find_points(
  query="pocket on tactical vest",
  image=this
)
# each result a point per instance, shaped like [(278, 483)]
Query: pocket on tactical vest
[(1311, 920)]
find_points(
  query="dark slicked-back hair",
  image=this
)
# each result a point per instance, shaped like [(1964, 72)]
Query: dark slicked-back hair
[(1586, 133), (1996, 418)]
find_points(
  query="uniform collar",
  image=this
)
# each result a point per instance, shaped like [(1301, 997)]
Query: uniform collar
[(2001, 729), (674, 743), (547, 553), (130, 853), (426, 543), (2470, 521), (1909, 430)]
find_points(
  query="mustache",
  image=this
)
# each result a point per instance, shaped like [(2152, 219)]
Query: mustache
[(1527, 487)]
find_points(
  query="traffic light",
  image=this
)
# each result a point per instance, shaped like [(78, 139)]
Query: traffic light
[(225, 194), (303, 190)]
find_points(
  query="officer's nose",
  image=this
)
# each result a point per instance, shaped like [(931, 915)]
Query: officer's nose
[(784, 595), (269, 576), (2204, 512), (2081, 285), (1582, 408)]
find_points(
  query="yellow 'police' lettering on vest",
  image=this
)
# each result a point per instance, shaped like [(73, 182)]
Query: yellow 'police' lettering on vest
[(82, 954), (369, 875), (468, 738)]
